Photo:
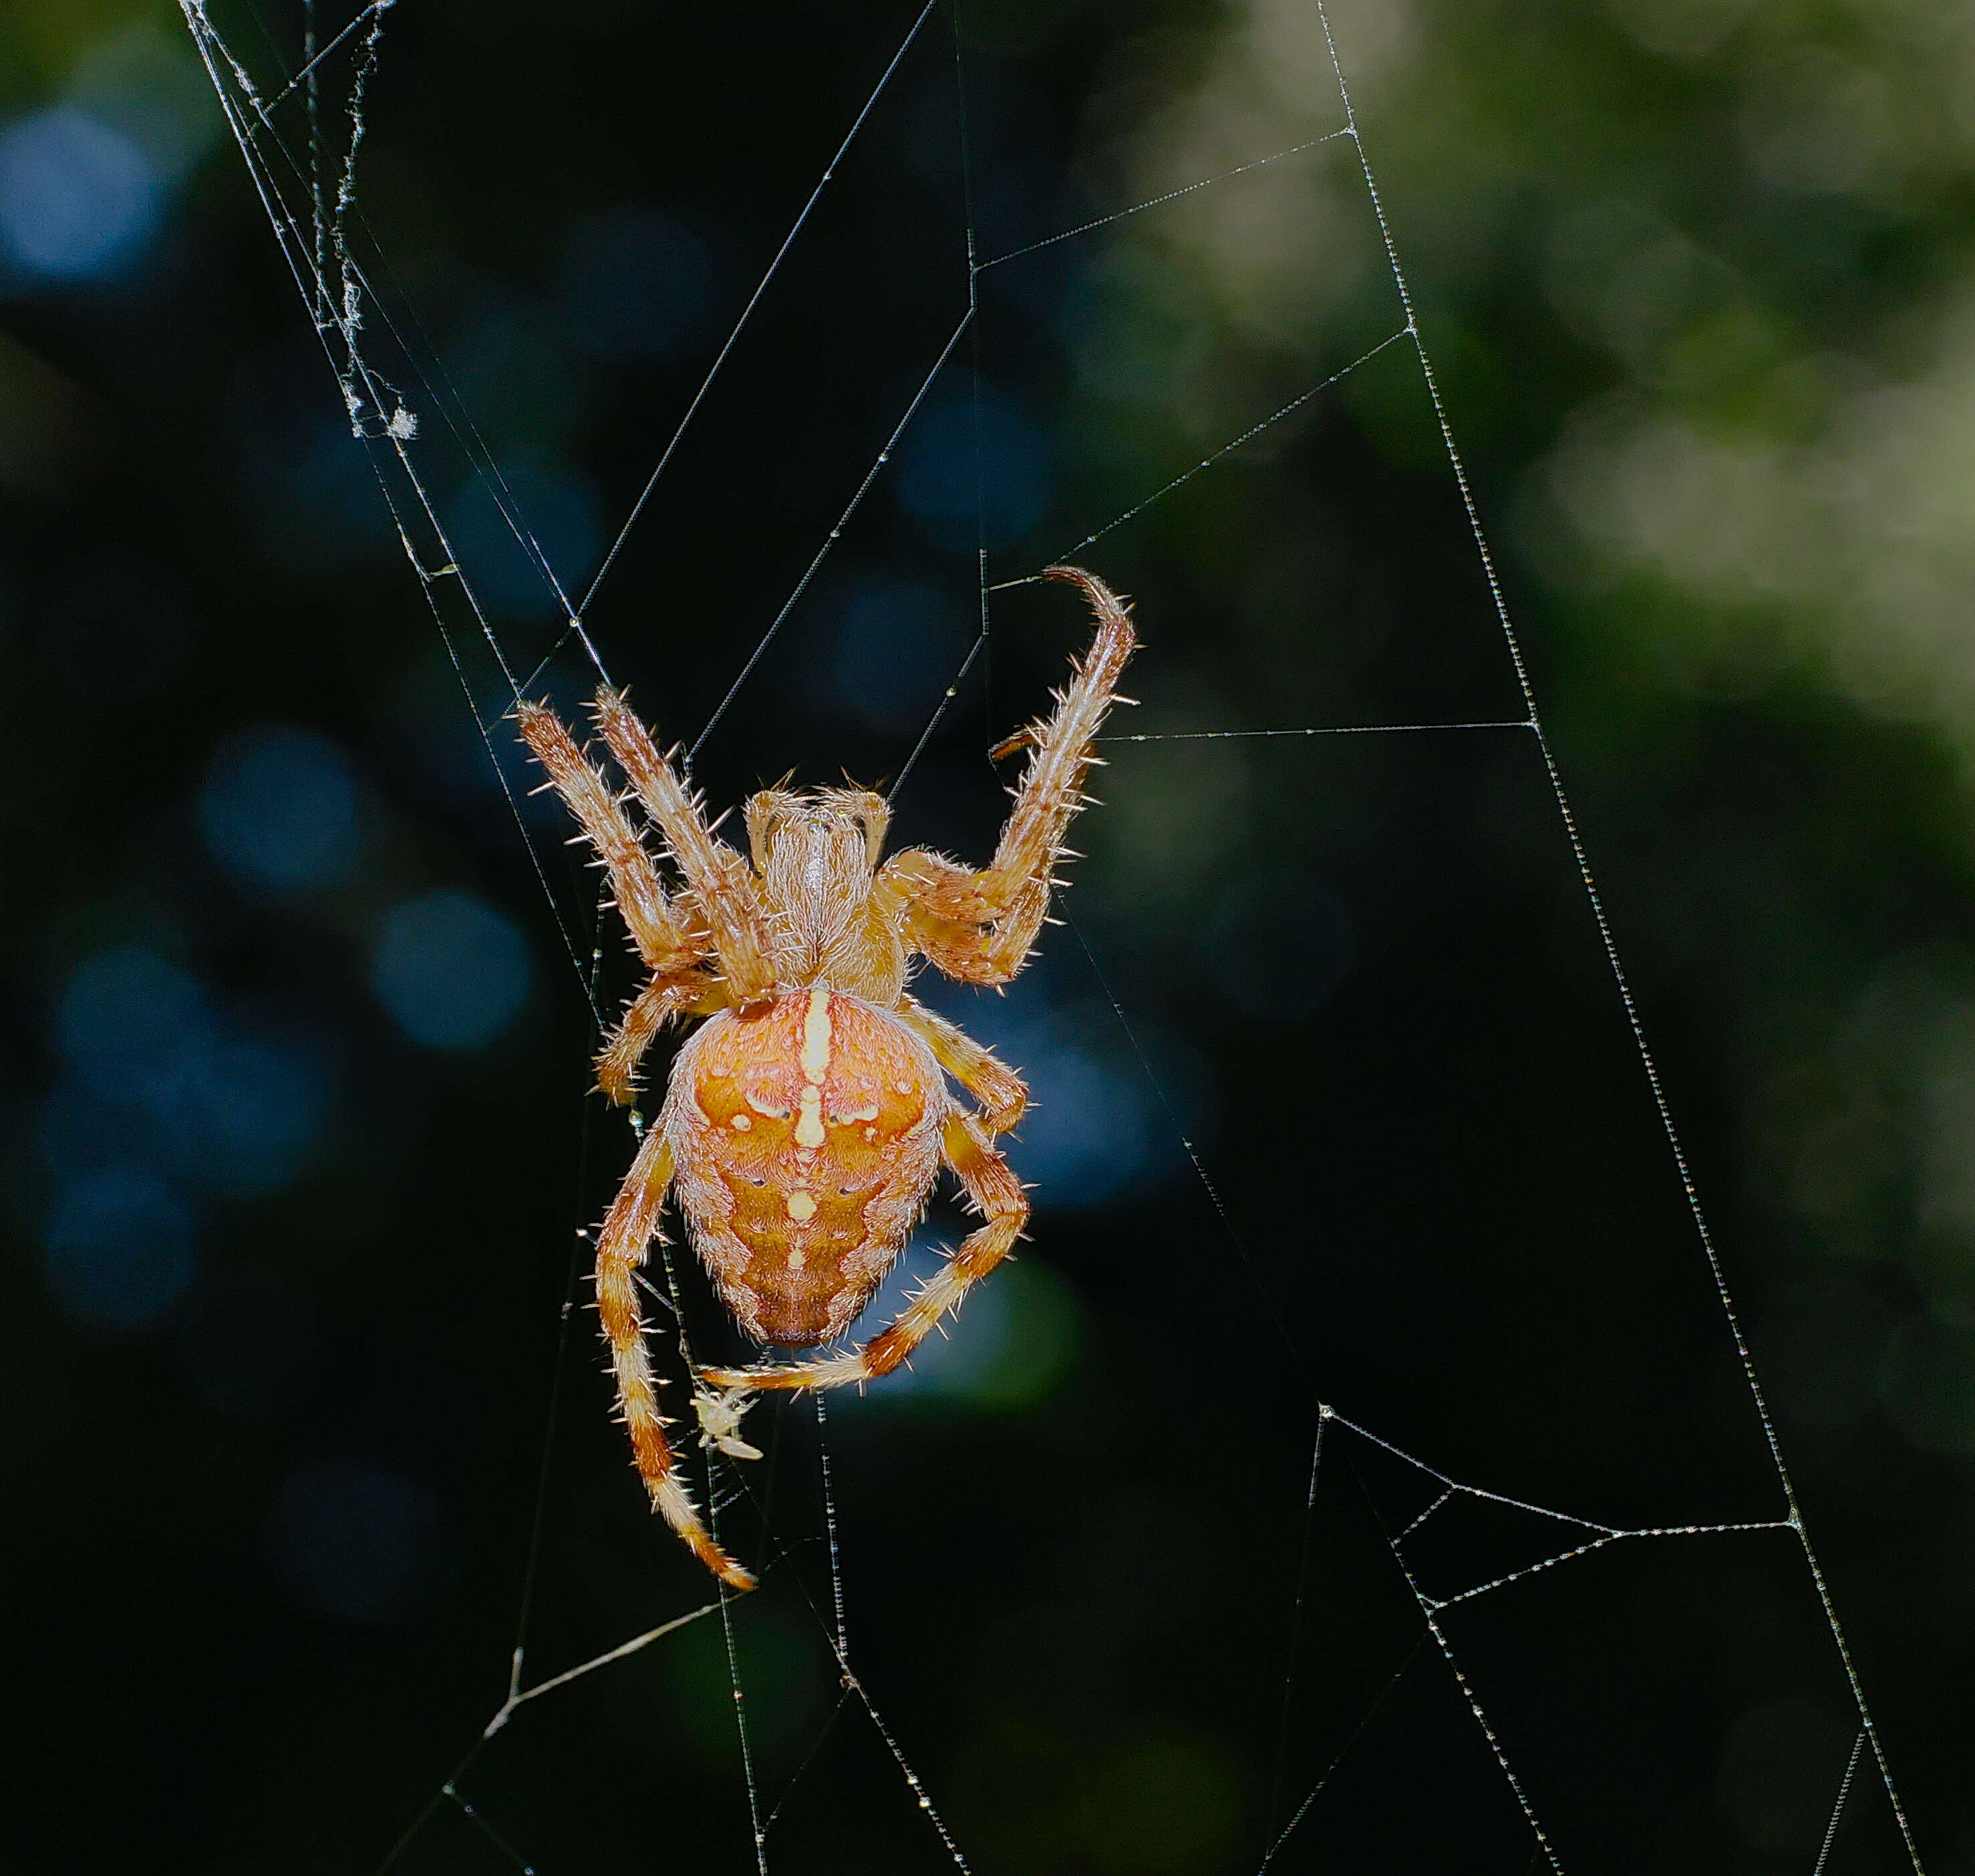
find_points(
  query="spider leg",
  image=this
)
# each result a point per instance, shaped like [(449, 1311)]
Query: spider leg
[(718, 875), (995, 1192), (621, 1247), (980, 926), (1001, 1092), (690, 992), (665, 939)]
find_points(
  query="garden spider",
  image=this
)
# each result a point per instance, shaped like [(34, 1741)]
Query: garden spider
[(806, 1120)]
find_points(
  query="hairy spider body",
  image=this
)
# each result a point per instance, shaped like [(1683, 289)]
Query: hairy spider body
[(806, 1136), (806, 1121)]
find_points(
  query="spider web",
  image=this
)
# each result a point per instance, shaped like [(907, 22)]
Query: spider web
[(1425, 1552)]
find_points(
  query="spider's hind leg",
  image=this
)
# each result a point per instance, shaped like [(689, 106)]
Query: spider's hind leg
[(995, 1192), (1003, 1095), (627, 1233)]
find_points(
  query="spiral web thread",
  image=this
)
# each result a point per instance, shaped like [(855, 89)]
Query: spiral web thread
[(307, 181)]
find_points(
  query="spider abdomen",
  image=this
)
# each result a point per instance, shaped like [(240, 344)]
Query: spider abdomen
[(807, 1132)]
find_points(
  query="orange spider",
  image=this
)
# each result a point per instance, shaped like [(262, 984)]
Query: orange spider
[(806, 1120)]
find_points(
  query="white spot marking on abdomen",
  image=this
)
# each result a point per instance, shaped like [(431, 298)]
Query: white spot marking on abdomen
[(815, 1066), (816, 1036), (809, 1118)]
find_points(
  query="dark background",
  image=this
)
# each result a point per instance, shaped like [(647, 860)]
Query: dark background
[(1338, 1104)]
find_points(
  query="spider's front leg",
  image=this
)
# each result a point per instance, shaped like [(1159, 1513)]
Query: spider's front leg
[(621, 1247), (997, 1194), (979, 927), (719, 875), (670, 938), (666, 941)]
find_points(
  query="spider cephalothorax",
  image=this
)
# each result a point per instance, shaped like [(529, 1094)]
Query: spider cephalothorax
[(806, 1120)]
